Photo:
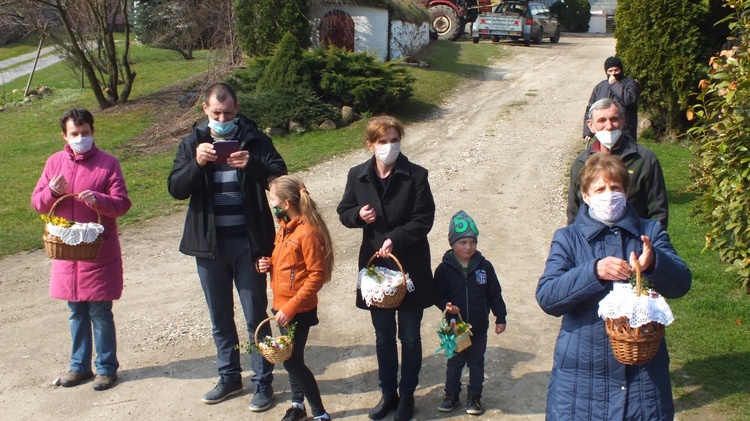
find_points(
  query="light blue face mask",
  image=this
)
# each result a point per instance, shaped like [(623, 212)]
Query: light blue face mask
[(221, 128)]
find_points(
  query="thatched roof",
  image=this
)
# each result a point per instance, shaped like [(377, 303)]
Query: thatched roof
[(405, 10)]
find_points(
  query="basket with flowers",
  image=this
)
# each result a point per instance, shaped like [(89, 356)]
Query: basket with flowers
[(275, 349), (635, 317), (67, 240), (455, 335)]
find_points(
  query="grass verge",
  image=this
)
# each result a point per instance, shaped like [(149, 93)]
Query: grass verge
[(32, 133), (708, 342)]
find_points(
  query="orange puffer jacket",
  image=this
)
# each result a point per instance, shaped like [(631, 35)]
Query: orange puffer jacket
[(298, 268)]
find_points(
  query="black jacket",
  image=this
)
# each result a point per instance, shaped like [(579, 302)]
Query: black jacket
[(189, 180), (405, 214), (625, 92), (647, 191), (475, 293)]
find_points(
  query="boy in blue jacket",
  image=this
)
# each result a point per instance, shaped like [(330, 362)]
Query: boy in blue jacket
[(467, 284)]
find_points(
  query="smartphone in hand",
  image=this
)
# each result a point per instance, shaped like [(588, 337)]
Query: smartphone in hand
[(224, 148)]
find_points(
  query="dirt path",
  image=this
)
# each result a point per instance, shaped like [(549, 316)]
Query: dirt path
[(499, 149)]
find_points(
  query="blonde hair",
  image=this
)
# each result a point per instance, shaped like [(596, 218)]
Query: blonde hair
[(292, 189), (377, 127)]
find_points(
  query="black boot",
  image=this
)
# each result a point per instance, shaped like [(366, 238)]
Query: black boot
[(386, 405), (405, 408)]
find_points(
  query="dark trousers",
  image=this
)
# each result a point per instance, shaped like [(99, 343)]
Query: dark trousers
[(473, 357), (233, 268), (301, 380), (406, 324)]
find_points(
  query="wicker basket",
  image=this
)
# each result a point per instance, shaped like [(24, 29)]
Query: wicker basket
[(391, 301), (57, 249), (633, 346), (273, 356), (463, 340)]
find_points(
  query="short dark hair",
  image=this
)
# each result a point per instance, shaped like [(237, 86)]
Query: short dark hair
[(79, 116), (220, 91)]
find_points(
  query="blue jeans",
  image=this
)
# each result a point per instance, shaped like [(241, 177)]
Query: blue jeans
[(473, 357), (83, 316), (408, 330), (233, 267)]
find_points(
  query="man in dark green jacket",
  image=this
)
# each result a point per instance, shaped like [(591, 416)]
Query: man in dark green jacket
[(647, 191)]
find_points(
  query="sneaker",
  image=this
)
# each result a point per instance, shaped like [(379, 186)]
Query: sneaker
[(295, 413), (262, 399), (74, 378), (104, 381), (324, 417), (474, 405), (224, 389), (450, 402)]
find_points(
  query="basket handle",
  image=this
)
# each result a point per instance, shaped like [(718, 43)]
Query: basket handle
[(257, 329), (401, 268), (445, 312), (637, 277), (65, 196)]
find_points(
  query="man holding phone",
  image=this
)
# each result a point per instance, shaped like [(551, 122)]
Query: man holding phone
[(223, 167)]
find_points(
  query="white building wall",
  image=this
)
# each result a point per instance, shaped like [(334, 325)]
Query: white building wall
[(607, 6), (370, 27), (408, 39)]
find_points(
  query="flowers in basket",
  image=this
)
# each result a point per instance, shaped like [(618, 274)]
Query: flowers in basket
[(455, 336), (377, 282), (72, 233), (270, 343)]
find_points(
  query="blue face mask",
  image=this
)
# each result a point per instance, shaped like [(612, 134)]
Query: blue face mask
[(221, 128)]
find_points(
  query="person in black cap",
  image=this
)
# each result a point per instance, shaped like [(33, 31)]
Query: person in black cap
[(623, 90), (466, 284)]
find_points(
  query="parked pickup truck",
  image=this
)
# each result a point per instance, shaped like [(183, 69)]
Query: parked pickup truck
[(517, 19)]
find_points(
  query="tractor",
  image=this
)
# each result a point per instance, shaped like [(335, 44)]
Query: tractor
[(448, 18)]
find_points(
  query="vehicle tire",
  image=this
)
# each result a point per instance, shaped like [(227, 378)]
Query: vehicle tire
[(527, 42), (495, 38), (445, 22), (475, 40), (555, 38), (538, 39), (515, 38)]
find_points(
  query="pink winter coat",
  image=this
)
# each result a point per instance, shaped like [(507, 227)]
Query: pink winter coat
[(100, 172)]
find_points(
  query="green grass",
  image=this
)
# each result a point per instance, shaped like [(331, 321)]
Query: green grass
[(32, 133), (709, 342), (25, 46)]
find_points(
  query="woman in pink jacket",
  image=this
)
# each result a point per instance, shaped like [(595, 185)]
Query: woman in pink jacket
[(89, 287)]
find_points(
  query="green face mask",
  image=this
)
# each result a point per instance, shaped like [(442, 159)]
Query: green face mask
[(280, 214)]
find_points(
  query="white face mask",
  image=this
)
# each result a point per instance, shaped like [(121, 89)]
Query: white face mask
[(388, 153), (607, 138), (608, 206), (81, 144)]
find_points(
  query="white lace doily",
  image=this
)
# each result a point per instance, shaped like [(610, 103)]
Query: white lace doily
[(622, 302), (77, 234), (374, 290)]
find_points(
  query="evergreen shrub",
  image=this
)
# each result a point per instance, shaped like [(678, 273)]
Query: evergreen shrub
[(276, 108), (262, 23), (662, 46), (574, 15), (287, 69)]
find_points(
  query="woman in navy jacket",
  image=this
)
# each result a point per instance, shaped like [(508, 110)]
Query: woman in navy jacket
[(389, 198), (587, 382)]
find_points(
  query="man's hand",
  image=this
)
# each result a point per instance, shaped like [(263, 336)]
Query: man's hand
[(367, 213), (238, 159), (205, 153), (612, 79), (451, 308)]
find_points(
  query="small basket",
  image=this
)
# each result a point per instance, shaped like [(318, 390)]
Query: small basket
[(273, 356), (57, 249), (463, 340), (391, 301), (634, 346)]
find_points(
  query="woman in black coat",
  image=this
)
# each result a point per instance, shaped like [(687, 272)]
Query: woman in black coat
[(389, 198)]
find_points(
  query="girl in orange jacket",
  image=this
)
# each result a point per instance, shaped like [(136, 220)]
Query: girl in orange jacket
[(301, 262)]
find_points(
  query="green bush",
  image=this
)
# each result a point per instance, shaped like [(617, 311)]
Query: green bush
[(287, 69), (359, 80), (721, 146), (662, 46), (573, 15), (246, 80), (261, 24), (276, 108), (171, 25)]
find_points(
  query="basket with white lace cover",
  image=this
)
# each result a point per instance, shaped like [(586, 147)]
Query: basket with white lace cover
[(635, 322), (78, 241), (383, 287)]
